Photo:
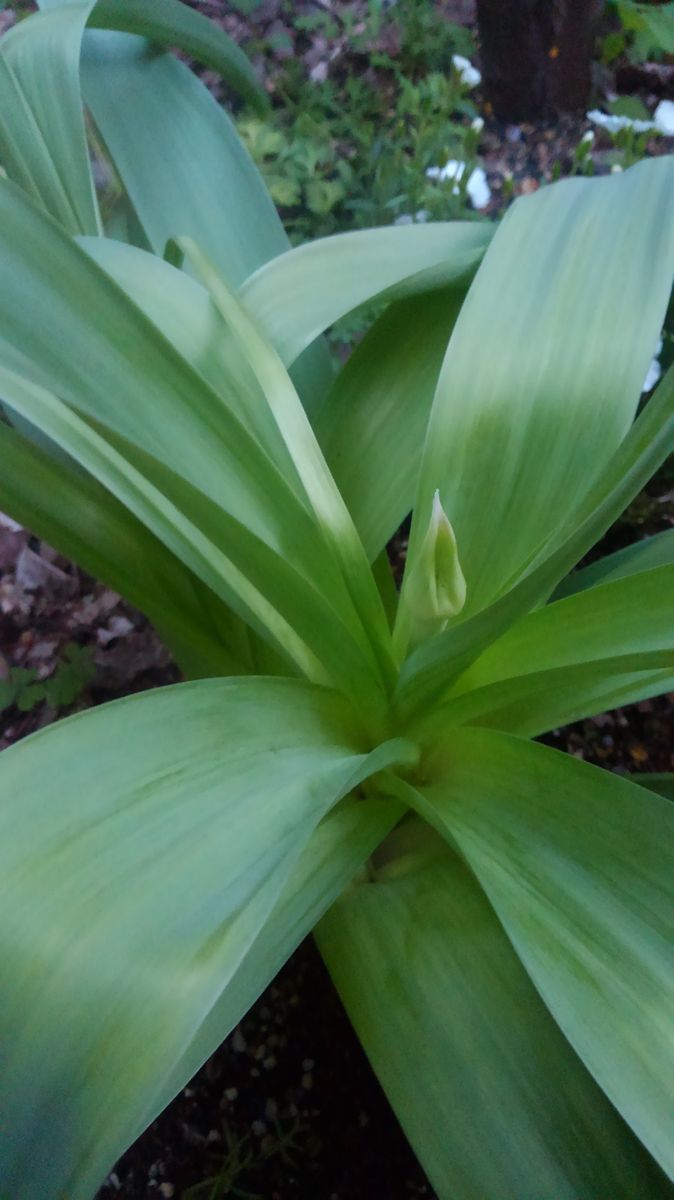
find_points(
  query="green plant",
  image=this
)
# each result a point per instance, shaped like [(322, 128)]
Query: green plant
[(646, 30), (22, 686), (352, 150), (496, 915)]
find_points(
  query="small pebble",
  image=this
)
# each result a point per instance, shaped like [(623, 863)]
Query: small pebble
[(167, 1190), (231, 1093), (269, 1063)]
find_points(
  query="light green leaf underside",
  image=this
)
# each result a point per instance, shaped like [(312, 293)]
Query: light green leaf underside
[(572, 293), (572, 646), (84, 521), (296, 296), (373, 424), (578, 864), (173, 837), (435, 666), (494, 1100), (183, 166), (650, 552)]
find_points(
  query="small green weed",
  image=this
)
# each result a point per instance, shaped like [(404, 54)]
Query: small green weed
[(243, 1156), (22, 687), (646, 32)]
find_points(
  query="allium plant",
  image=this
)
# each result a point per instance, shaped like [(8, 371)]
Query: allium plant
[(496, 915)]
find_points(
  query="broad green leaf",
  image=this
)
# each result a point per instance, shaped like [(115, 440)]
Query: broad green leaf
[(578, 864), (571, 646), (333, 855), (42, 140), (177, 850), (74, 513), (434, 666), (373, 423), (261, 587), (183, 165), (662, 784), (64, 322), (168, 23), (529, 705), (571, 296), (297, 295), (650, 552), (330, 512), (184, 312), (492, 1097)]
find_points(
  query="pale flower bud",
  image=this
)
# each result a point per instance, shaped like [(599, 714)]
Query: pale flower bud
[(477, 124), (436, 587)]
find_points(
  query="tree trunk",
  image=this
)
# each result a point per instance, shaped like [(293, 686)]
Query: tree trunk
[(536, 55)]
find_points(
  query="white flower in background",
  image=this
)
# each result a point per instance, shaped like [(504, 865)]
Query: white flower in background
[(468, 74), (654, 371), (477, 187), (451, 170), (477, 124), (587, 138), (613, 124), (616, 169), (664, 117)]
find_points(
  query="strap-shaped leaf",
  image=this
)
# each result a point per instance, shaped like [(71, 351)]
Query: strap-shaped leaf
[(578, 864), (75, 513), (42, 140), (571, 295), (329, 510), (297, 295), (169, 23), (66, 323), (492, 1097), (650, 552), (183, 166), (373, 424), (184, 312), (261, 586), (334, 854), (662, 784), (132, 897), (603, 631), (434, 667), (531, 704)]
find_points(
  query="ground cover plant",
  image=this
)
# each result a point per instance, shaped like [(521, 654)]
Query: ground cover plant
[(347, 145), (496, 915)]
